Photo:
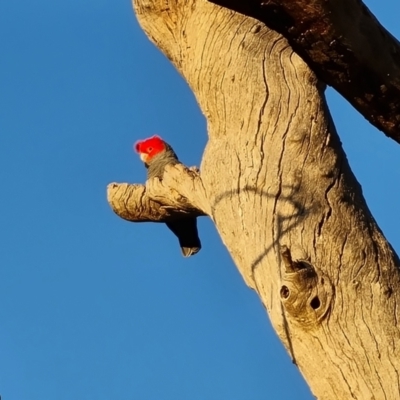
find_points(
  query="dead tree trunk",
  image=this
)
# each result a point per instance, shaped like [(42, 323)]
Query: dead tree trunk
[(278, 186)]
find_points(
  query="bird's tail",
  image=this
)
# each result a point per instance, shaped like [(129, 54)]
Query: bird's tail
[(190, 251), (185, 229)]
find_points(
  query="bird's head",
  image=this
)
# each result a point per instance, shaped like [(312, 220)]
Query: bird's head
[(149, 148)]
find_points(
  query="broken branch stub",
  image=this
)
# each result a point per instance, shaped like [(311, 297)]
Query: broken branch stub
[(178, 195)]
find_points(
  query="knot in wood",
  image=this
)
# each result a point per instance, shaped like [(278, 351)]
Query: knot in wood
[(305, 294)]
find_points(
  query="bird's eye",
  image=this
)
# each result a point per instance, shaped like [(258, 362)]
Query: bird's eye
[(150, 149)]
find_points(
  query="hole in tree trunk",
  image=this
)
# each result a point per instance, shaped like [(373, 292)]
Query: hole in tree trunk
[(285, 292), (315, 303)]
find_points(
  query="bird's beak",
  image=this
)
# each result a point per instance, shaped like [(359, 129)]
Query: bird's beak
[(143, 157)]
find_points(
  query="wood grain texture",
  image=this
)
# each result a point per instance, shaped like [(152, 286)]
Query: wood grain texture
[(279, 189), (179, 194), (345, 45)]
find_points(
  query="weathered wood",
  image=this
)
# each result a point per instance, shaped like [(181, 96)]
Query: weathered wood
[(279, 188), (179, 194), (345, 45)]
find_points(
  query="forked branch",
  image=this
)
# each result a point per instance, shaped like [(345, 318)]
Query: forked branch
[(345, 45)]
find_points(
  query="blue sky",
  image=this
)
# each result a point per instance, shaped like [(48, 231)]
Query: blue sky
[(91, 306)]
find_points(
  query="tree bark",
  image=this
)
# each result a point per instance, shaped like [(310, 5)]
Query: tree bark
[(279, 189), (345, 45), (179, 194)]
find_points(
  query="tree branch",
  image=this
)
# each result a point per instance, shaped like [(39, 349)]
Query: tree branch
[(345, 45), (179, 194)]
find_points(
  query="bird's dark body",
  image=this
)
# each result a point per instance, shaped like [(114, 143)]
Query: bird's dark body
[(185, 229)]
